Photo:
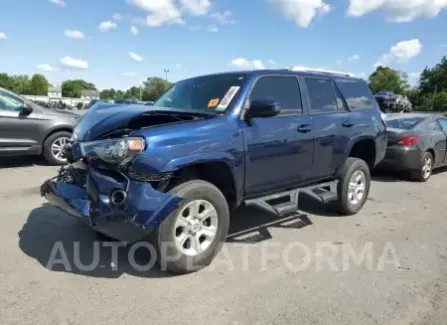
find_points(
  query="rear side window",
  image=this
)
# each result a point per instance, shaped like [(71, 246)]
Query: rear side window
[(434, 126), (321, 95), (357, 93), (404, 123), (443, 123), (284, 90)]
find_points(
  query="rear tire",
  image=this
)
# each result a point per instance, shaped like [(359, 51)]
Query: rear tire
[(354, 181), (424, 172), (194, 233), (50, 146)]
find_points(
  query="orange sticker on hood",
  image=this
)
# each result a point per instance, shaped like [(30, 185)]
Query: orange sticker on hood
[(213, 102)]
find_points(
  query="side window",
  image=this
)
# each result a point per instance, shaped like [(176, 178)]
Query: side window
[(356, 92), (321, 94), (434, 126), (9, 102), (284, 90), (443, 123)]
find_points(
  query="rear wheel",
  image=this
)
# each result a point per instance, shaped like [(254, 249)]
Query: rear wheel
[(425, 170), (353, 186), (193, 234), (53, 147)]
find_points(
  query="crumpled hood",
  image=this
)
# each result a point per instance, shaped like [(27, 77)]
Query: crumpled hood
[(105, 119)]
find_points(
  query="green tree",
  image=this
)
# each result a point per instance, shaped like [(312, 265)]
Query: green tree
[(132, 93), (5, 81), (38, 85), (21, 84), (154, 87), (434, 78), (387, 79), (108, 94), (74, 88)]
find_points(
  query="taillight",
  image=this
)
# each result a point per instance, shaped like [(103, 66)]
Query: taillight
[(409, 140)]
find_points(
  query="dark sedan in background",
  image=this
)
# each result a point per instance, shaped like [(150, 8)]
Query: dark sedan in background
[(417, 144), (29, 129)]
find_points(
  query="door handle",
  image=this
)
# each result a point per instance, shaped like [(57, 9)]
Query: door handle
[(304, 128), (347, 123)]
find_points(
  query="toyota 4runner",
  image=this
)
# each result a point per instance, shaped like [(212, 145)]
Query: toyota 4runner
[(172, 172)]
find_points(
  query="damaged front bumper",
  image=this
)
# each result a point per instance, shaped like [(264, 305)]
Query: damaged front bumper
[(87, 194)]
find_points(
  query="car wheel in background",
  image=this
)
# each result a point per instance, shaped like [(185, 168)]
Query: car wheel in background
[(425, 171), (354, 181), (53, 147), (193, 234)]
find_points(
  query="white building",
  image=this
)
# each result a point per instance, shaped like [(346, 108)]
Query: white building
[(54, 92), (89, 94)]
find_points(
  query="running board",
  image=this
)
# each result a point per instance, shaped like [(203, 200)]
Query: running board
[(323, 193)]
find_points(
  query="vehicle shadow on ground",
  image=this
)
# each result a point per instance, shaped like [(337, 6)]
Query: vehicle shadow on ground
[(21, 161), (62, 244), (386, 176)]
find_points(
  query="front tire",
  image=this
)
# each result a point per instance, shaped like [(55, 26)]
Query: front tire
[(193, 234), (53, 146), (354, 180)]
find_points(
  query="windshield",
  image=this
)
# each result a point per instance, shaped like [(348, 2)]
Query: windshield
[(404, 123), (207, 93)]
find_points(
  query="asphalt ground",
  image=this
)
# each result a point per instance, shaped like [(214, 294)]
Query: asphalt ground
[(385, 265)]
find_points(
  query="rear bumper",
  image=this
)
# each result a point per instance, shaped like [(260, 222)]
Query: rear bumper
[(401, 158), (142, 212)]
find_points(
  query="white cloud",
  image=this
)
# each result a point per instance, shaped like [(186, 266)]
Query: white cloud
[(401, 52), (354, 57), (196, 7), (212, 29), (106, 26), (75, 64), (242, 63), (117, 16), (272, 62), (135, 57), (223, 17), (195, 28), (178, 65), (399, 11), (71, 33), (159, 12), (134, 30), (3, 36), (129, 74), (339, 62), (59, 2), (46, 67), (302, 12)]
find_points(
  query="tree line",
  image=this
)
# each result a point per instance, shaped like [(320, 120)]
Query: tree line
[(429, 94), (37, 84)]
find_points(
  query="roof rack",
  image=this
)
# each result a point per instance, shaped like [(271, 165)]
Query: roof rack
[(304, 69)]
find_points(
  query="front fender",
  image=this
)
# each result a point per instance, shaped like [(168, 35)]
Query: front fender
[(235, 167)]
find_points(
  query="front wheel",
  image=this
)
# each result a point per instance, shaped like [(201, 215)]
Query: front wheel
[(354, 180), (193, 234), (53, 147)]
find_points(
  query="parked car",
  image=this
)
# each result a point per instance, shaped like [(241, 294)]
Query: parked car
[(212, 143), (29, 129), (417, 144), (387, 101), (403, 104)]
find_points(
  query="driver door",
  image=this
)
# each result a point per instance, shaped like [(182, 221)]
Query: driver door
[(19, 132)]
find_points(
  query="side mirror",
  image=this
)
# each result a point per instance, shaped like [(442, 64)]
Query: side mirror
[(263, 108), (27, 109)]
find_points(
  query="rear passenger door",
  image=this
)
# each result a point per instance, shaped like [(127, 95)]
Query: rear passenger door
[(443, 122), (332, 124), (279, 148)]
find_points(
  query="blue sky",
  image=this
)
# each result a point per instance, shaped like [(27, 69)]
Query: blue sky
[(92, 39)]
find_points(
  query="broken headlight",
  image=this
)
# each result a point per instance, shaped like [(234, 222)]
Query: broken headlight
[(113, 151)]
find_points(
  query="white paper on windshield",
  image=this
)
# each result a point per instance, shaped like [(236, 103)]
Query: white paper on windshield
[(228, 98)]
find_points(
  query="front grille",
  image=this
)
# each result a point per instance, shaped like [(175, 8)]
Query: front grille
[(71, 175)]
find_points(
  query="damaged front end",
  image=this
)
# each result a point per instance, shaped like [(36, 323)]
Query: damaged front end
[(108, 200)]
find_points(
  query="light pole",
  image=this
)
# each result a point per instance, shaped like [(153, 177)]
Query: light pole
[(166, 77)]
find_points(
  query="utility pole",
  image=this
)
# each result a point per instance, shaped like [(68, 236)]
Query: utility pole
[(166, 77), (433, 99)]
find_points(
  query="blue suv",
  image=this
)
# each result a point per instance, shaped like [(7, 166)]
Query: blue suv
[(173, 172)]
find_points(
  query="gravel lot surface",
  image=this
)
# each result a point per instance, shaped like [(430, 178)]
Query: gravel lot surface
[(256, 280)]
